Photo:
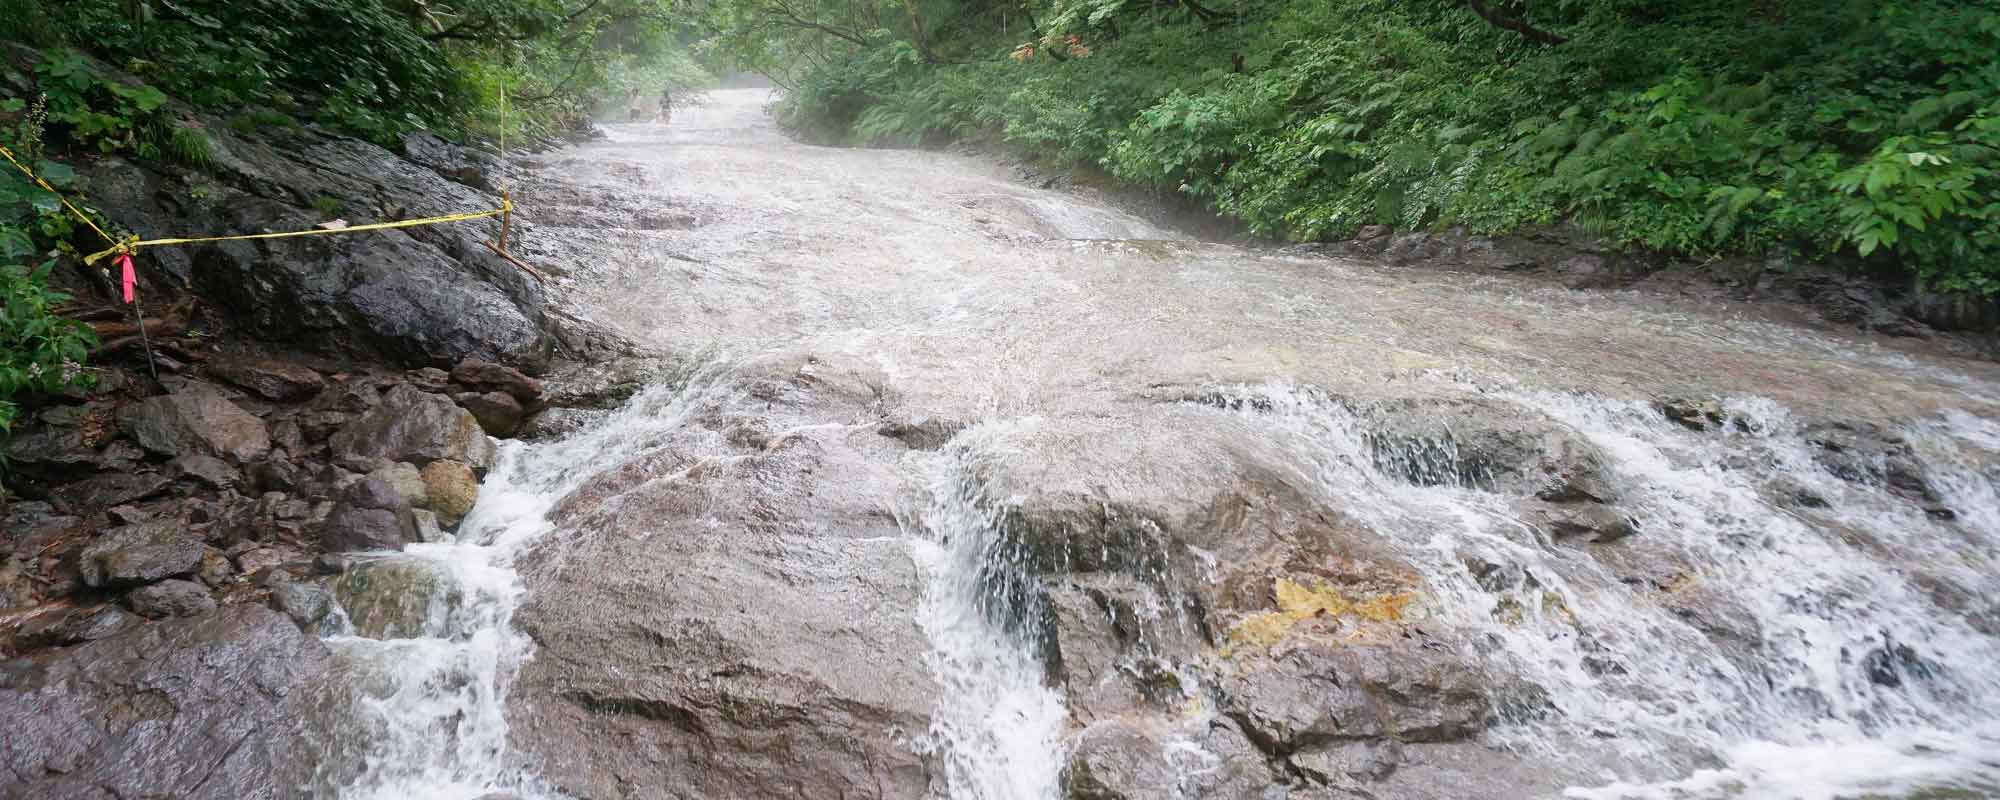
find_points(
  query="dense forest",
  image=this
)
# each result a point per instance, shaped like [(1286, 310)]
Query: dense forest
[(93, 78), (1793, 128), (1782, 129)]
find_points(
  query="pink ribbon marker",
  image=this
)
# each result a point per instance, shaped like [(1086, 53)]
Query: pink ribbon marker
[(125, 276)]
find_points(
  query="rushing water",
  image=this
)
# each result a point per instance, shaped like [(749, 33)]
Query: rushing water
[(1742, 644), (1835, 672), (997, 731), (431, 671)]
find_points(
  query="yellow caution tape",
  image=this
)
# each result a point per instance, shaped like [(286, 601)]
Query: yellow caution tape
[(132, 244), (52, 190)]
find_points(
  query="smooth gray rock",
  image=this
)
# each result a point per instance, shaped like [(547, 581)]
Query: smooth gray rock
[(203, 708), (196, 419)]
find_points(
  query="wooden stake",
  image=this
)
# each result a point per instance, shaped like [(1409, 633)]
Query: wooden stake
[(506, 221), (502, 252)]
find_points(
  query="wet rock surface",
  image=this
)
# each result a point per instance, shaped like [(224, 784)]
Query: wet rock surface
[(203, 707), (417, 427), (758, 639), (196, 419)]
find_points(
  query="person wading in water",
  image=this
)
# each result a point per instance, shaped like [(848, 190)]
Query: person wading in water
[(666, 105), (634, 112)]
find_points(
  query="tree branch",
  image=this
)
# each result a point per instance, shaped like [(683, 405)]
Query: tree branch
[(1500, 20)]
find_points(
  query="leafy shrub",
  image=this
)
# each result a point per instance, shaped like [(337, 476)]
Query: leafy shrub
[(39, 350), (1697, 128)]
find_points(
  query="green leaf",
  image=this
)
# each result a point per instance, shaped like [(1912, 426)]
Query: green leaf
[(55, 172)]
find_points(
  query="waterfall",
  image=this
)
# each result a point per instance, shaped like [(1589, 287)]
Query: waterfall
[(428, 649), (1819, 649), (996, 731)]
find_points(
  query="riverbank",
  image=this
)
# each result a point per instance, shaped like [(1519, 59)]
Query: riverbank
[(1835, 297), (888, 475), (181, 530)]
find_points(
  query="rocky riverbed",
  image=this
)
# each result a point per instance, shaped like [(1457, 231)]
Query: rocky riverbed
[(882, 474)]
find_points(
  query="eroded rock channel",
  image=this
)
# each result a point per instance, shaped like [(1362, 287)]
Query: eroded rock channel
[(943, 486)]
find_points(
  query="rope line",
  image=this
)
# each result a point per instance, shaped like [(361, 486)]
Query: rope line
[(132, 244)]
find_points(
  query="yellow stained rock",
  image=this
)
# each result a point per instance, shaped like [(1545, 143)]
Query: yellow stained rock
[(1298, 602)]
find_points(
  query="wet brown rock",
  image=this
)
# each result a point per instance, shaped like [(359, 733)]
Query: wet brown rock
[(486, 375), (208, 470), (406, 480), (65, 626), (272, 380), (1587, 523), (769, 600), (1115, 761), (112, 488), (1311, 693), (498, 412), (429, 379), (309, 605), (1118, 760), (450, 490), (215, 570), (1487, 444)]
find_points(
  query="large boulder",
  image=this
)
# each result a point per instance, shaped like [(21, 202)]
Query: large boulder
[(203, 708), (417, 427), (140, 554), (747, 630), (196, 419), (370, 515)]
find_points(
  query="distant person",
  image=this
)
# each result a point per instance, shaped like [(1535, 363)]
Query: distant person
[(666, 106), (634, 112)]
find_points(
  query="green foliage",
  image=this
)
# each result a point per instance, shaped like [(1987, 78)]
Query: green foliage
[(1697, 128), (371, 69), (39, 350)]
